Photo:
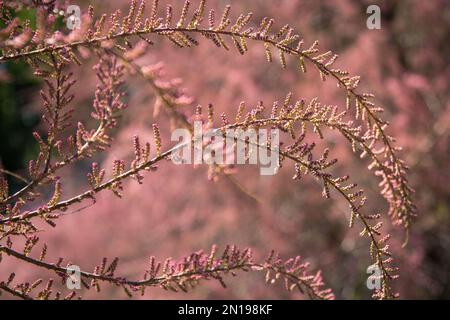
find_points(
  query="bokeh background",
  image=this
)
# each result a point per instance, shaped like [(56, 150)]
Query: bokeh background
[(178, 210)]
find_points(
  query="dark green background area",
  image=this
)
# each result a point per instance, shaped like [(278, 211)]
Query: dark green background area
[(17, 118)]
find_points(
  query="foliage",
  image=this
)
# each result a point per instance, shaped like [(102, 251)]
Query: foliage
[(118, 41)]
